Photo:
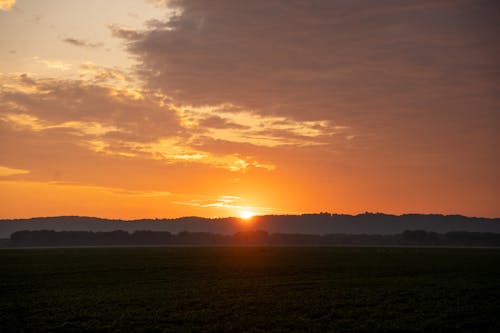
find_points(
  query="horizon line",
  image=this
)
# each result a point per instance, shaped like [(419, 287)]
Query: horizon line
[(240, 218)]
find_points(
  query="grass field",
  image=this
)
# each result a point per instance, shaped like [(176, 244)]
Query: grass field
[(250, 289)]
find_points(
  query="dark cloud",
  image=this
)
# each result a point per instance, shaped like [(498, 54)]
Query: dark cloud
[(353, 62), (124, 32), (415, 78), (239, 50), (81, 42), (220, 123)]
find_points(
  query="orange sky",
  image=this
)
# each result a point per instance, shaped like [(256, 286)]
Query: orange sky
[(144, 108)]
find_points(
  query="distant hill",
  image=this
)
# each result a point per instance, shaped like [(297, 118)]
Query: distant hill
[(315, 224)]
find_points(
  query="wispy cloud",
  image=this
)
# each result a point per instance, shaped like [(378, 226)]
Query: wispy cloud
[(227, 202), (33, 123), (113, 190), (81, 42), (6, 171)]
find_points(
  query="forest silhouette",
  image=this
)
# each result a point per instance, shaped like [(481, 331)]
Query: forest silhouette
[(248, 238)]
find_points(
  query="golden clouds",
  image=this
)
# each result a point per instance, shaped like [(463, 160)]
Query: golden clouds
[(111, 120), (7, 4), (173, 151), (230, 123)]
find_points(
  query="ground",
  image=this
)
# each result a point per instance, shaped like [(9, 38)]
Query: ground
[(251, 289)]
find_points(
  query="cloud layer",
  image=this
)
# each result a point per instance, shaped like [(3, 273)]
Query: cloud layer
[(110, 119)]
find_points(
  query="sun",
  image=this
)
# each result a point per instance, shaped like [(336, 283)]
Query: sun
[(246, 214)]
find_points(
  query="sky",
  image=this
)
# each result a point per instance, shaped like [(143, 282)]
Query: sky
[(156, 108)]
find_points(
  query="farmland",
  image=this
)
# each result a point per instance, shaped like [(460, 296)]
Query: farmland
[(254, 289)]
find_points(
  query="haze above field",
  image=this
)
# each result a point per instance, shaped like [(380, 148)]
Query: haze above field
[(154, 108)]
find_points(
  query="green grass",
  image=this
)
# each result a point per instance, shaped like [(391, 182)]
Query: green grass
[(250, 289)]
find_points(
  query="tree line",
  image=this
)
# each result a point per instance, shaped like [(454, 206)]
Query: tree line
[(261, 238)]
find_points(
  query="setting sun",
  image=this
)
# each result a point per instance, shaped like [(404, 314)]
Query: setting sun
[(246, 214)]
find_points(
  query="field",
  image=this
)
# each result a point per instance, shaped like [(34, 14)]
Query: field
[(182, 289)]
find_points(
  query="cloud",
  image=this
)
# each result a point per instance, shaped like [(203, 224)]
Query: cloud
[(32, 123), (174, 151), (6, 171), (227, 202), (383, 69), (7, 5), (81, 42), (220, 123), (231, 123), (112, 190), (124, 32), (105, 114)]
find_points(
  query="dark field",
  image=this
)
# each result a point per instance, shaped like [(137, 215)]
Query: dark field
[(250, 289)]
